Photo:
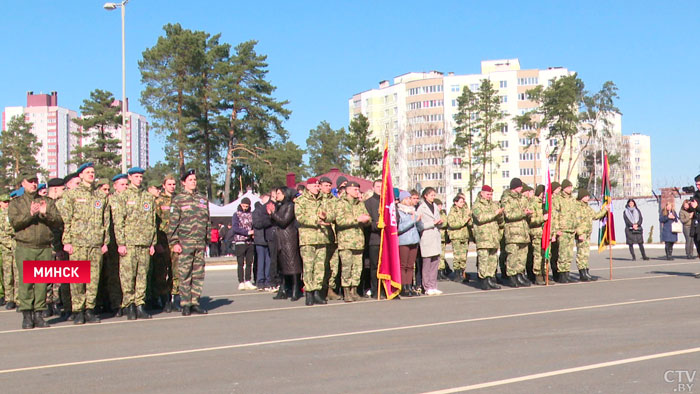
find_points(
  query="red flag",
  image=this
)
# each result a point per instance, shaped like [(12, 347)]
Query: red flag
[(389, 268), (547, 228), (606, 233)]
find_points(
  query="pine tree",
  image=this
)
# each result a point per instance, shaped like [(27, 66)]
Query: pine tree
[(327, 149), (466, 135), (100, 119), (489, 120), (18, 149), (364, 148)]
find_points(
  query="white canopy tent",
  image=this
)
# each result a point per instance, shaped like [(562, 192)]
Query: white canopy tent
[(229, 209)]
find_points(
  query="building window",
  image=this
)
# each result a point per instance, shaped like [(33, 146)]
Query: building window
[(522, 96), (527, 171), (504, 144), (504, 99), (527, 81), (505, 174), (455, 88), (505, 159), (457, 175), (474, 87), (504, 84), (504, 129), (457, 161)]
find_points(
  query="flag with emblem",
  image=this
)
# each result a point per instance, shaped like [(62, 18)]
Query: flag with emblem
[(389, 268)]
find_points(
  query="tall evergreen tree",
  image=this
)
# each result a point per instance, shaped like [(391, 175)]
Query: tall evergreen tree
[(251, 115), (364, 149), (100, 118), (18, 149), (327, 149), (271, 167), (489, 120), (466, 135)]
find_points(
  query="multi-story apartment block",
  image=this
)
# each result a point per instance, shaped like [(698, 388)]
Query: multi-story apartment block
[(54, 128), (636, 165)]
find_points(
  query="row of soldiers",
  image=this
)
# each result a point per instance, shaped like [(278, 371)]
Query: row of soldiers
[(118, 233), (514, 225)]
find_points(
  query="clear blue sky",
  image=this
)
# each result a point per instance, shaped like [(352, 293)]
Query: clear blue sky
[(322, 52)]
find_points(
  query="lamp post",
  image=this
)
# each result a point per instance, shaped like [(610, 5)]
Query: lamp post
[(111, 7)]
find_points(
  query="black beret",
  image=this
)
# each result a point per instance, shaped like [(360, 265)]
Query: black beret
[(53, 182)]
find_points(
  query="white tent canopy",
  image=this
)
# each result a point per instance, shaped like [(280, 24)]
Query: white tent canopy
[(229, 209)]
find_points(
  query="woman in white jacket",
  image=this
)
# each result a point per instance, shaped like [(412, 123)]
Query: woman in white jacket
[(430, 240)]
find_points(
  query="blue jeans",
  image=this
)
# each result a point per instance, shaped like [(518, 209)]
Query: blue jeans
[(263, 254)]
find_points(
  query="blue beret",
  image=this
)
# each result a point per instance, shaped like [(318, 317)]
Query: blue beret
[(17, 193), (84, 166), (118, 177), (41, 186), (135, 170)]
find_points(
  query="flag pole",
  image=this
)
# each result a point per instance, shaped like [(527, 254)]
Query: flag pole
[(610, 249), (546, 272)]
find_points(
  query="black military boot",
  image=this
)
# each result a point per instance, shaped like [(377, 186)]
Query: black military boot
[(119, 312), (512, 281), (130, 312), (186, 310), (168, 306), (582, 276), (10, 305), (590, 277), (2, 301), (27, 320), (141, 312), (458, 275), (175, 300), (317, 298), (522, 280), (91, 316), (309, 298), (485, 284), (492, 283), (57, 309), (39, 320), (48, 311), (296, 293), (198, 310), (441, 275), (79, 318), (562, 278)]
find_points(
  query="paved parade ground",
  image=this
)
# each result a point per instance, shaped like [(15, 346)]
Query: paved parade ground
[(639, 333)]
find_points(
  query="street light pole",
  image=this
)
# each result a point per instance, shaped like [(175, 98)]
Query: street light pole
[(110, 7)]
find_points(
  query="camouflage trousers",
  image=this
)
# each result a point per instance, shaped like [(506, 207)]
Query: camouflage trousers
[(351, 261), (32, 296), (443, 261), (10, 279), (583, 251), (83, 295), (459, 252), (314, 259), (566, 251), (165, 272), (537, 260), (332, 265), (488, 261), (517, 257), (133, 274), (191, 275)]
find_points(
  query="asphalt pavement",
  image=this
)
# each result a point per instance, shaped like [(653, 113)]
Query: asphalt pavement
[(636, 333)]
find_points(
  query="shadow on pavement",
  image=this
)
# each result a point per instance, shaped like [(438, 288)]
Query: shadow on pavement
[(689, 274), (211, 304)]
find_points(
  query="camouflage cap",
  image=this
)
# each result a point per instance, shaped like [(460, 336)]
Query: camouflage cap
[(352, 184), (555, 186), (582, 193), (566, 183), (539, 190)]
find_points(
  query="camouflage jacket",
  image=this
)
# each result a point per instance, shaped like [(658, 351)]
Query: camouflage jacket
[(306, 208), (329, 201), (85, 217), (516, 229), (458, 223), (163, 203), (33, 231), (536, 220), (349, 230), (486, 223), (7, 233), (585, 216), (443, 231), (189, 221), (134, 215), (564, 209)]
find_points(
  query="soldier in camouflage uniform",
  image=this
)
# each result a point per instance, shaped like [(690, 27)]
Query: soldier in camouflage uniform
[(486, 215), (444, 269), (332, 256), (165, 269), (133, 212), (350, 216), (85, 237), (458, 222), (584, 227), (110, 264), (535, 223), (32, 217), (516, 233), (188, 232), (54, 290), (9, 271), (554, 245), (564, 210), (314, 237)]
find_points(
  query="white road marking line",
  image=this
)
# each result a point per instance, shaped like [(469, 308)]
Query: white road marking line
[(641, 266), (344, 334), (565, 371), (304, 307)]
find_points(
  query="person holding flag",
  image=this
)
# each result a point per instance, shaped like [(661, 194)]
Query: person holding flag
[(584, 227), (536, 223)]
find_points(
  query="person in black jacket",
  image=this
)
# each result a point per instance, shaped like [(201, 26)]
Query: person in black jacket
[(634, 233), (261, 225), (372, 205), (695, 226), (287, 238)]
